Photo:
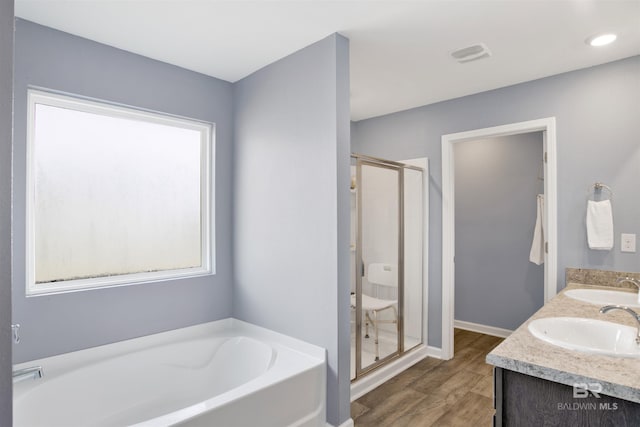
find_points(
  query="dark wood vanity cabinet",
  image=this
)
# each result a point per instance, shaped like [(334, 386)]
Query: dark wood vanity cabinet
[(524, 400)]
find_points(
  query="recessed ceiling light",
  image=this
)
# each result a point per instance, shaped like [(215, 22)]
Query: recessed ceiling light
[(601, 39)]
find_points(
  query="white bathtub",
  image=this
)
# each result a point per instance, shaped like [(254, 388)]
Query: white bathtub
[(225, 373)]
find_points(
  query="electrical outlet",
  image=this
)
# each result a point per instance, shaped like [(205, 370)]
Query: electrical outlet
[(627, 242)]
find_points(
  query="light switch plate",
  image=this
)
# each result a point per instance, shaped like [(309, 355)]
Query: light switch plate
[(627, 242)]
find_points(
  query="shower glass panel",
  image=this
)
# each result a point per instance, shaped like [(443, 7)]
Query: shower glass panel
[(387, 261), (413, 257), (379, 222)]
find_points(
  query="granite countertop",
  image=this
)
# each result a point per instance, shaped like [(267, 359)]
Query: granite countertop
[(522, 352)]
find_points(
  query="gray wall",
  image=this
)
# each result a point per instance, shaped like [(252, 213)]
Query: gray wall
[(597, 135), (291, 207), (497, 183), (66, 322), (6, 101)]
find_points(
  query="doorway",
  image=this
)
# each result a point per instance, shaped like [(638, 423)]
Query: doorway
[(547, 127)]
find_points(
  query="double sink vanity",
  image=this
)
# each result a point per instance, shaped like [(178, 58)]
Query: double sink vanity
[(572, 363)]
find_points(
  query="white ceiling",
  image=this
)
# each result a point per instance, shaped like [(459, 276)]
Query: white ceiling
[(399, 49)]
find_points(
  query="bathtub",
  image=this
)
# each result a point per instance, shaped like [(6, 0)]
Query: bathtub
[(225, 373)]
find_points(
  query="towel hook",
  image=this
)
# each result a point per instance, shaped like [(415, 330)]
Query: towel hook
[(599, 187)]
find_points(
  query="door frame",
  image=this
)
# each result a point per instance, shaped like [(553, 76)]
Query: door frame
[(548, 127)]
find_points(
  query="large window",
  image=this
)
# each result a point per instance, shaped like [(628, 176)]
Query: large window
[(115, 195)]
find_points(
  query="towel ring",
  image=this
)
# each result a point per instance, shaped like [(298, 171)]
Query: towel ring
[(599, 186)]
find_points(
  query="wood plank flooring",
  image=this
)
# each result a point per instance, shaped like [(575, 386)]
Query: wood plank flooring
[(456, 392)]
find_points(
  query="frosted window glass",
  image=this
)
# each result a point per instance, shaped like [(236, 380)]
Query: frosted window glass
[(114, 195)]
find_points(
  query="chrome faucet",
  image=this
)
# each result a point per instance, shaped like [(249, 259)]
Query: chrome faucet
[(31, 373), (635, 315), (632, 281)]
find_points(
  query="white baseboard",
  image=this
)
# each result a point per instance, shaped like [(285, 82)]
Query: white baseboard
[(348, 423), (435, 352), (483, 329), (385, 373)]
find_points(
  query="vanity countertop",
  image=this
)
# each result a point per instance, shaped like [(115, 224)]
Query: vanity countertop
[(522, 352)]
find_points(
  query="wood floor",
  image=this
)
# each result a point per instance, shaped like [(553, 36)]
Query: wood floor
[(456, 392)]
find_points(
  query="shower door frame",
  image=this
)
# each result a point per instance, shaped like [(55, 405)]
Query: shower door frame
[(363, 160)]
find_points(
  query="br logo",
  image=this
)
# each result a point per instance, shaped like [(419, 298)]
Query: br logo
[(582, 390)]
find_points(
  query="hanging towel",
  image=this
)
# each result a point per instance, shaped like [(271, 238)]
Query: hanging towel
[(600, 225), (536, 255)]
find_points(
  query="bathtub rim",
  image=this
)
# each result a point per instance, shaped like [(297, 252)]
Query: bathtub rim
[(227, 327)]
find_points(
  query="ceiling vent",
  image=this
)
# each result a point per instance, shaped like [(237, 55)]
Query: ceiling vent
[(471, 53)]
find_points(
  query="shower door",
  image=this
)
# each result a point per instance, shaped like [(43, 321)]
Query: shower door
[(379, 264), (387, 261)]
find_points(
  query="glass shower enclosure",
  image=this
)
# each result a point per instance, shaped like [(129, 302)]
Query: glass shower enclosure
[(387, 261)]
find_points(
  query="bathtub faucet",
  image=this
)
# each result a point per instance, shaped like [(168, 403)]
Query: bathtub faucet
[(15, 330), (31, 373)]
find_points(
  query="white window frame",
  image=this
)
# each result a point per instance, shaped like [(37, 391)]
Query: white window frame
[(207, 267)]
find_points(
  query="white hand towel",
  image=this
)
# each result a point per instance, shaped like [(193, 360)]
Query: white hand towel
[(600, 225), (536, 255)]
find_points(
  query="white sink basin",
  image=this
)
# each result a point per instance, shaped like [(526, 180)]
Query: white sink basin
[(604, 297), (587, 335)]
